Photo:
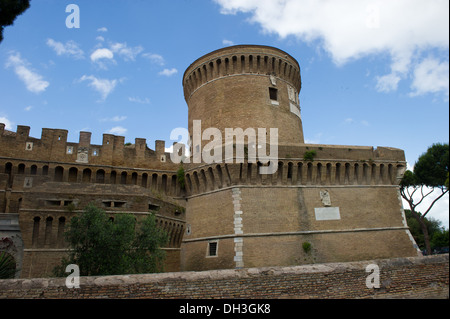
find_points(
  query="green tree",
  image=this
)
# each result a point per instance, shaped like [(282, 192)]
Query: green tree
[(440, 239), (102, 246), (7, 266), (438, 235), (9, 10), (430, 174)]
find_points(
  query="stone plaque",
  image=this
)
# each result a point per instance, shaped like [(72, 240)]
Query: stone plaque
[(29, 146), (82, 155), (28, 182), (327, 213)]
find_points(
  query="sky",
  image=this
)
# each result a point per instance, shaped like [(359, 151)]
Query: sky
[(374, 73)]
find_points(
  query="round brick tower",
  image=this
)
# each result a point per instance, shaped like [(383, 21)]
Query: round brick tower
[(325, 210), (246, 86)]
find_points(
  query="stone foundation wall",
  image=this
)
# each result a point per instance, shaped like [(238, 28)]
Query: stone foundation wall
[(414, 277)]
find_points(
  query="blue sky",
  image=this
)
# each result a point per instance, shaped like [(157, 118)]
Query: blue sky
[(374, 73)]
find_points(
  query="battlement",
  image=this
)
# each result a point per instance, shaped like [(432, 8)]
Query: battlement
[(241, 59), (54, 146)]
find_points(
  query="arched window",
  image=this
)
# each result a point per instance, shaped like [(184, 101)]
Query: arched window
[(134, 178), (73, 175), (144, 180), (35, 235), (123, 178), (87, 175), (289, 172), (48, 230), (154, 181), (112, 178), (60, 236), (100, 176), (8, 168), (59, 173), (21, 169), (164, 183)]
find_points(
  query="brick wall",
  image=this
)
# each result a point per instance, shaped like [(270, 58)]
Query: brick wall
[(418, 277)]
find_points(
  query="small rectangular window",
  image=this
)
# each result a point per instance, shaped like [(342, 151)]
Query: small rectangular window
[(68, 202), (119, 204), (273, 94), (53, 202), (212, 249), (107, 203)]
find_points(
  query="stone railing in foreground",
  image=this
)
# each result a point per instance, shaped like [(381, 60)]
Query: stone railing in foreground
[(414, 277)]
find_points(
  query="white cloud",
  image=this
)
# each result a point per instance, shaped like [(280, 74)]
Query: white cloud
[(116, 118), (117, 130), (350, 121), (103, 57), (351, 29), (431, 76), (388, 82), (126, 52), (139, 100), (102, 29), (168, 72), (227, 42), (154, 58), (28, 108), (102, 53), (8, 123), (102, 86), (70, 48), (100, 38), (33, 81)]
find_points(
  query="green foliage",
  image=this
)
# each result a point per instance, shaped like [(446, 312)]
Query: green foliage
[(9, 10), (181, 178), (7, 266), (431, 169), (430, 173), (439, 237), (409, 179), (100, 246), (309, 155), (306, 246), (446, 182)]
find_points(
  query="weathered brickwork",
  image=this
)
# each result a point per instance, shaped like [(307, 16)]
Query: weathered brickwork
[(419, 277), (343, 201)]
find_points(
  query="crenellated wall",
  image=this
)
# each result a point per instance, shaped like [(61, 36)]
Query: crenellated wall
[(45, 182), (54, 147)]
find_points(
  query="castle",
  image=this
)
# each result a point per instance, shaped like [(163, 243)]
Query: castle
[(322, 203)]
